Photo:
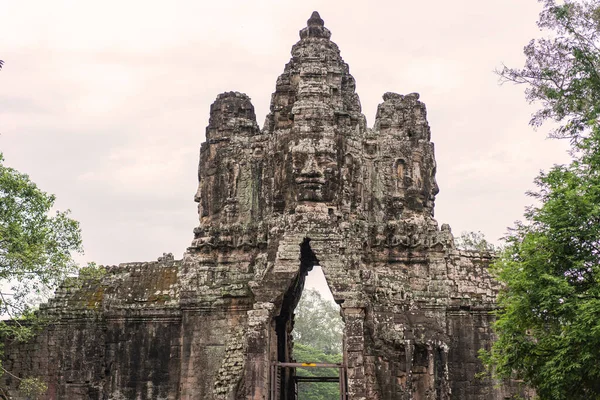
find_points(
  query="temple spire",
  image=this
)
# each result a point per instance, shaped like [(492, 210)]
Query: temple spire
[(315, 20), (315, 28)]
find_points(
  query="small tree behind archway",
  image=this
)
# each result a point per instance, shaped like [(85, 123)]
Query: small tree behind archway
[(318, 333), (318, 323)]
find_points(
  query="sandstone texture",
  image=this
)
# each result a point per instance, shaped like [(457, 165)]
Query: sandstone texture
[(314, 186)]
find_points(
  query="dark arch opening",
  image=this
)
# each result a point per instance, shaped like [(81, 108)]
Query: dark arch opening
[(322, 348), (284, 323)]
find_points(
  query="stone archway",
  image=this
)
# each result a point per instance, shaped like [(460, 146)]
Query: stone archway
[(283, 379)]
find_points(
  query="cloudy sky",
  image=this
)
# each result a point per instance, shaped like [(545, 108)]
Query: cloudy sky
[(104, 103)]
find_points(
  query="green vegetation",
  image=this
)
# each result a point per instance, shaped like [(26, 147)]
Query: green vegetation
[(562, 71), (317, 390), (548, 323), (318, 330), (35, 255), (318, 323), (475, 241)]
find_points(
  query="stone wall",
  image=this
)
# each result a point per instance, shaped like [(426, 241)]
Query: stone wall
[(315, 186)]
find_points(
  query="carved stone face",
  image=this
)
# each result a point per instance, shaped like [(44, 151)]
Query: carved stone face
[(314, 168), (435, 189), (421, 196)]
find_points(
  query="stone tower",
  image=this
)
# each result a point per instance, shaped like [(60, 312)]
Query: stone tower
[(315, 186)]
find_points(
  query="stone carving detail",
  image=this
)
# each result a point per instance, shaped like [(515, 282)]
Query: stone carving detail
[(231, 370), (313, 186)]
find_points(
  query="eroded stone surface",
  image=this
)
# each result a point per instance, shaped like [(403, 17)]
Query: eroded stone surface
[(315, 185)]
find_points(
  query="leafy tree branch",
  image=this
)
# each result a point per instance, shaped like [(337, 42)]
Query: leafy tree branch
[(36, 249)]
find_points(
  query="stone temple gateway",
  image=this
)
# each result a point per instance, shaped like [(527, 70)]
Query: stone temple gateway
[(314, 186)]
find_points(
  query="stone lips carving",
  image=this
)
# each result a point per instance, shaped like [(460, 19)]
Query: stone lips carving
[(314, 186)]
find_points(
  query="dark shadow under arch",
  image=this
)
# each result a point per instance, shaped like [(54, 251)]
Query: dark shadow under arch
[(284, 322)]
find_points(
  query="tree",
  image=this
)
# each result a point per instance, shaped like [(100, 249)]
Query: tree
[(562, 71), (474, 241), (548, 323), (317, 390), (318, 323), (318, 331), (35, 253)]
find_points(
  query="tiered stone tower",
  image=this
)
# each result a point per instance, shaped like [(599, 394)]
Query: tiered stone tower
[(314, 186)]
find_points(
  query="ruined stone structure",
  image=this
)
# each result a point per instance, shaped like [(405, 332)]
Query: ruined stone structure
[(314, 186)]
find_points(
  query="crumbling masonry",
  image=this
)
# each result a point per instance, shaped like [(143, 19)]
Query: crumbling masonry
[(314, 186)]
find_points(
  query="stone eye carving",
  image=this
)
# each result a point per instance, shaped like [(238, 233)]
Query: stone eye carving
[(298, 161), (326, 162)]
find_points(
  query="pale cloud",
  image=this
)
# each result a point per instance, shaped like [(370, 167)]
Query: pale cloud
[(442, 75), (105, 103), (139, 167)]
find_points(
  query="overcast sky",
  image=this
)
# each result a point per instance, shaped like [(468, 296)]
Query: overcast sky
[(104, 103)]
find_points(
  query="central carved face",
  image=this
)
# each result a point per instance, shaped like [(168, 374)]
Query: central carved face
[(315, 168)]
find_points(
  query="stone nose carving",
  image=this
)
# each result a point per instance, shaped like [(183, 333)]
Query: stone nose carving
[(435, 190), (311, 172), (310, 178)]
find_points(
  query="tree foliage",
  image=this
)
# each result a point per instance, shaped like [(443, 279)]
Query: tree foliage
[(562, 71), (318, 323), (35, 246), (474, 241), (318, 330), (317, 390), (35, 253), (548, 322)]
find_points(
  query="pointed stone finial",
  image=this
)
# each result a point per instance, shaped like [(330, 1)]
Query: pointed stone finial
[(315, 20), (315, 28)]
